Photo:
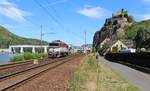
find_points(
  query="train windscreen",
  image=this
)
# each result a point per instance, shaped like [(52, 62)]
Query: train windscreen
[(53, 44)]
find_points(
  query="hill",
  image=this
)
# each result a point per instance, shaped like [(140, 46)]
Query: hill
[(122, 26), (7, 38), (131, 31), (140, 33), (113, 27)]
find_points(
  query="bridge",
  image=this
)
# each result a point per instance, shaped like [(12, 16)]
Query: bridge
[(21, 48)]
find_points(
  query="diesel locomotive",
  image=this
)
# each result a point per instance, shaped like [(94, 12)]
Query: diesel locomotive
[(58, 48)]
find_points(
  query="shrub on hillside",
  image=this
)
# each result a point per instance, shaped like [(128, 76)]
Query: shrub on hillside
[(104, 49)]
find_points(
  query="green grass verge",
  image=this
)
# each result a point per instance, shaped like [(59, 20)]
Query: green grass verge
[(93, 75)]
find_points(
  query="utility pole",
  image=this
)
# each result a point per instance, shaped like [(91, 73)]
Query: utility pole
[(85, 42), (41, 37)]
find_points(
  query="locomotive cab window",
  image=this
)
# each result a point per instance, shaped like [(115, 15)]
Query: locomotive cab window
[(53, 44)]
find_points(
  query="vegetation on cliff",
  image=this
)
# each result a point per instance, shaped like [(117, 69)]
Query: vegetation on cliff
[(131, 31), (140, 33)]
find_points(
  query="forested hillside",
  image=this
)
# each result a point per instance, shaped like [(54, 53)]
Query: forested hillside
[(131, 31), (7, 38)]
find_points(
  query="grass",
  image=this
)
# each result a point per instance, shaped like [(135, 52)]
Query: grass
[(93, 75)]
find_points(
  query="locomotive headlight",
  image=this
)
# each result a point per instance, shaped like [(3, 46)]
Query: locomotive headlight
[(50, 50)]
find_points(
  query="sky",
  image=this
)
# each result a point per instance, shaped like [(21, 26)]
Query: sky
[(67, 20)]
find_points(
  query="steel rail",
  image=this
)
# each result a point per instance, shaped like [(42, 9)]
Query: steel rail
[(12, 85)]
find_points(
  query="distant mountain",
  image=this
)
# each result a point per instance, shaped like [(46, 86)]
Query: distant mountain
[(7, 38)]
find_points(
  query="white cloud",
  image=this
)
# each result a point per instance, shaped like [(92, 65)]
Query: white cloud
[(146, 16), (93, 12), (143, 16), (7, 26), (10, 10), (148, 1)]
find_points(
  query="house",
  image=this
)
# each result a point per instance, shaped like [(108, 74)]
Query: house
[(75, 49), (120, 44), (87, 48)]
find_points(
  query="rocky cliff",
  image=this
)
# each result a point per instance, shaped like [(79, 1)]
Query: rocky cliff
[(113, 27)]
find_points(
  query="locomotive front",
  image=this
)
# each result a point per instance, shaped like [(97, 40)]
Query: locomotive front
[(57, 49)]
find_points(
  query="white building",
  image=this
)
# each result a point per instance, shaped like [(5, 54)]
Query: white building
[(120, 44)]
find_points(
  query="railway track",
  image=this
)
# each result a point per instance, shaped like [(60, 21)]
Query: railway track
[(8, 69), (15, 64), (18, 78), (11, 65)]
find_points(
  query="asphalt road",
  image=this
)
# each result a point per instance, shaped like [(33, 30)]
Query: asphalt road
[(135, 77)]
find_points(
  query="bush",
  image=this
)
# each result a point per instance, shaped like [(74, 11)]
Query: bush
[(104, 48), (115, 49), (17, 58), (43, 55), (36, 55), (28, 56)]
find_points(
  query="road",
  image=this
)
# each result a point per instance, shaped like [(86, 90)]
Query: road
[(135, 77)]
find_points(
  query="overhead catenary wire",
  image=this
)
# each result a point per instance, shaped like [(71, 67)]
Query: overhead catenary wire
[(47, 12), (55, 18), (58, 17), (56, 2)]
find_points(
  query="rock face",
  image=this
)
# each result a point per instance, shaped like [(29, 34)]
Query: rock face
[(112, 28)]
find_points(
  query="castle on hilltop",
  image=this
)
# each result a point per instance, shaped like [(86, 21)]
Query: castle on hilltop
[(113, 28), (121, 12)]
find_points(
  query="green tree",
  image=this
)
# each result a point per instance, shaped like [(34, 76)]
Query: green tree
[(139, 38), (103, 49), (115, 49), (130, 19)]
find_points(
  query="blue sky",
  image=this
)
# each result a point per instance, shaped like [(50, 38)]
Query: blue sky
[(68, 19)]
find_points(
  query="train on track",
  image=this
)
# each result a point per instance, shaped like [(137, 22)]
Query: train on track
[(57, 49)]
